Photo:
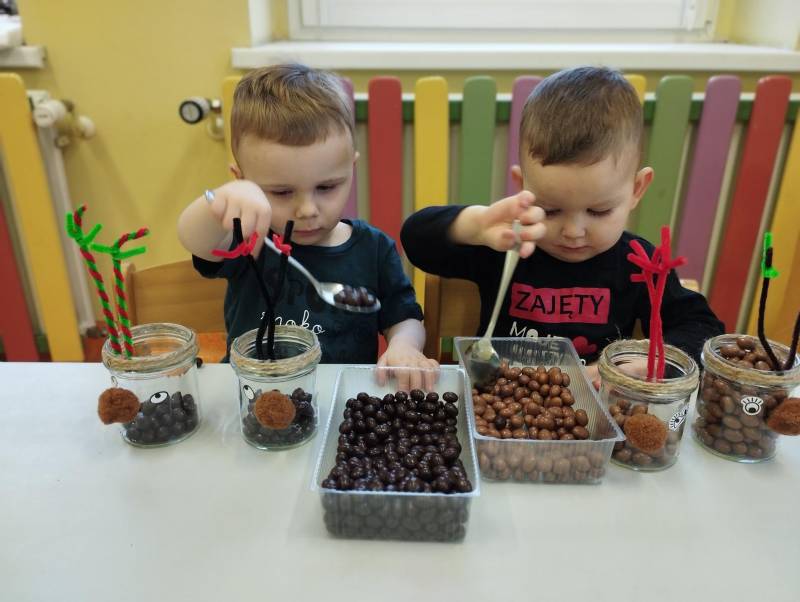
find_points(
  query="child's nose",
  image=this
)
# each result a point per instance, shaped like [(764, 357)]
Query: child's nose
[(573, 228), (305, 207)]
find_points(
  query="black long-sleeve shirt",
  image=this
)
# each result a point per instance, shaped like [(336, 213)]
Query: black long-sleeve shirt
[(592, 302), (368, 258)]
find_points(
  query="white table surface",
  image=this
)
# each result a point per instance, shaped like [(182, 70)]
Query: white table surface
[(84, 517)]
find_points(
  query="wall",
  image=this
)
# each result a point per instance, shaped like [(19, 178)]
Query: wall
[(127, 65), (767, 22)]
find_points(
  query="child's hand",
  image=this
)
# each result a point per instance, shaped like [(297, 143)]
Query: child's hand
[(412, 369), (496, 221), (245, 200), (635, 367), (594, 375)]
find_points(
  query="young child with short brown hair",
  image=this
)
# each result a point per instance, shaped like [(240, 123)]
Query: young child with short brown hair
[(580, 154), (292, 134)]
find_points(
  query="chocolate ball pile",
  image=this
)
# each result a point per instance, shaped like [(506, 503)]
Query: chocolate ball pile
[(404, 442), (649, 443), (552, 463), (533, 403), (300, 428), (355, 296), (732, 417), (529, 403), (163, 419)]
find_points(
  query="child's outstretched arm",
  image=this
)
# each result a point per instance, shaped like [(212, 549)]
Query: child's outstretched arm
[(406, 340), (206, 224), (459, 242)]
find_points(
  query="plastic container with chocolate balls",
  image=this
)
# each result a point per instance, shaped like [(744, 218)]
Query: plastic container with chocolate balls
[(396, 464), (277, 398), (539, 420), (154, 396), (652, 414), (743, 405)]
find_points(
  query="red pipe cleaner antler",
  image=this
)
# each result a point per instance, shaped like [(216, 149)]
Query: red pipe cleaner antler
[(655, 271), (74, 223), (117, 255), (243, 249)]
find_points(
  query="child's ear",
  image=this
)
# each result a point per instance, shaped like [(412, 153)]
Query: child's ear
[(237, 173), (356, 155), (516, 176), (641, 183)]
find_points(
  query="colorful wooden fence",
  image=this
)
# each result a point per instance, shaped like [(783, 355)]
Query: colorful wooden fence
[(692, 146)]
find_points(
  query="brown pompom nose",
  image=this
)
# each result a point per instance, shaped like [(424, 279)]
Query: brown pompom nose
[(785, 419), (117, 405), (646, 432), (274, 410)]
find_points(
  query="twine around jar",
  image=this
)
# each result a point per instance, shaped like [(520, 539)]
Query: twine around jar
[(244, 361), (734, 372), (182, 344), (667, 389)]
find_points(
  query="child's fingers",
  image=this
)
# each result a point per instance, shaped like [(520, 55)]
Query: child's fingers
[(403, 379), (415, 379), (532, 215), (263, 222), (217, 204), (594, 375), (636, 367), (533, 232), (528, 236), (431, 374), (232, 211), (382, 373), (509, 208), (526, 249), (248, 223)]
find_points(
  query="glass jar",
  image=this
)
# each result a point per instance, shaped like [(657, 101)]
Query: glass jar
[(162, 374), (277, 398), (650, 413), (736, 400)]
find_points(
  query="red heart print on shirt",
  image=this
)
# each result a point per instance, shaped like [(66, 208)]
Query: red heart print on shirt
[(583, 347)]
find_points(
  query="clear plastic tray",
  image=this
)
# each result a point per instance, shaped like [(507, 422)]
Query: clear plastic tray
[(394, 515), (555, 461)]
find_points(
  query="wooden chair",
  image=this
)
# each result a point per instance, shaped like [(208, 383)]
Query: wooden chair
[(453, 306), (175, 292)]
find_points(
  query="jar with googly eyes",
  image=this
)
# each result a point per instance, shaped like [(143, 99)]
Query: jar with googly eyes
[(742, 404), (154, 396), (277, 398), (651, 413)]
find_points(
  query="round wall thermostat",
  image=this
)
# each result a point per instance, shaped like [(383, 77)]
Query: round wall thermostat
[(194, 110)]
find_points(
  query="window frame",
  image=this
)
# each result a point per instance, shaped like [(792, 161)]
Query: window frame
[(312, 20)]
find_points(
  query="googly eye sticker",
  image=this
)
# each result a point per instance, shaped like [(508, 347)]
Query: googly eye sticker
[(751, 405), (248, 392), (677, 418), (159, 397)]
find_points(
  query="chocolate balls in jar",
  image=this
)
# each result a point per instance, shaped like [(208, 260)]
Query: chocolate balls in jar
[(155, 393), (739, 395), (277, 398), (651, 414)]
